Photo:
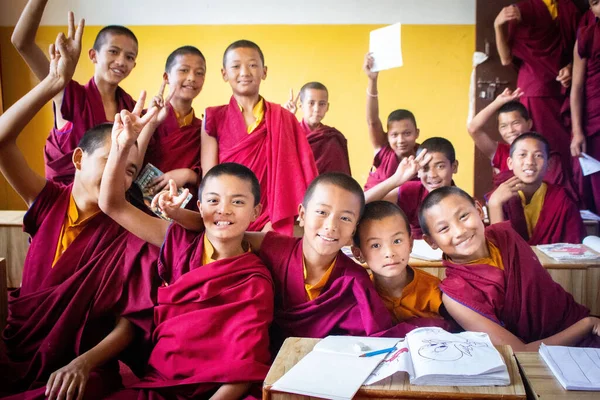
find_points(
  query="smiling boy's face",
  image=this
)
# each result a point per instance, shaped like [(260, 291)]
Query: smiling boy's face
[(529, 161), (438, 172), (244, 71)]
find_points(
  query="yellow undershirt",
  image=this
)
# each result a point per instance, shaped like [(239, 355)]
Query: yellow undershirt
[(187, 120), (313, 291), (552, 8), (208, 251), (495, 258), (259, 113), (534, 208), (72, 227)]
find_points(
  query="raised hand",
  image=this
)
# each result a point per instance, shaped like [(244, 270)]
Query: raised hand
[(507, 14), (509, 95), (128, 125), (368, 66), (292, 104), (64, 53), (162, 104), (68, 382), (410, 166), (507, 190), (169, 201)]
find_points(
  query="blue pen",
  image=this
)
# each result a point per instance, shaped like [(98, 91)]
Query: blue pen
[(376, 352)]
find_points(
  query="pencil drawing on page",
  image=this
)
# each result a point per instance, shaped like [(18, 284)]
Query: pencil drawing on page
[(448, 350)]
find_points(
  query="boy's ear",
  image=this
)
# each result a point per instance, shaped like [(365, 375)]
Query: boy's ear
[(224, 74), (77, 156), (327, 110), (301, 214), (479, 208), (357, 253), (529, 124), (455, 167), (198, 204), (418, 131), (264, 73), (411, 242), (509, 162), (257, 210), (92, 55), (165, 77), (429, 240)]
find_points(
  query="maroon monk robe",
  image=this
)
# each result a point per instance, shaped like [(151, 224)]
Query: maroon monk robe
[(522, 298), (410, 196), (556, 173), (589, 48), (559, 221), (330, 149), (385, 164), (212, 321), (348, 303), (543, 46), (62, 311), (82, 106), (278, 153)]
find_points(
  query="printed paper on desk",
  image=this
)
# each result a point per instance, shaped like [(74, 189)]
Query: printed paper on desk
[(589, 165), (386, 46)]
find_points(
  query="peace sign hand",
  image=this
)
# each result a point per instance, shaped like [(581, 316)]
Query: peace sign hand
[(64, 53), (161, 103), (128, 125), (292, 103)]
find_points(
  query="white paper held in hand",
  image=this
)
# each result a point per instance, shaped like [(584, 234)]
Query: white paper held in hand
[(589, 165), (386, 47)]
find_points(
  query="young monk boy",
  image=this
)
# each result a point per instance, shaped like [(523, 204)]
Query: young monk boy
[(319, 291), (399, 142), (329, 146), (435, 165), (383, 240), (85, 292), (260, 135), (542, 213), (173, 137), (494, 282), (78, 108), (585, 104), (216, 304), (541, 35)]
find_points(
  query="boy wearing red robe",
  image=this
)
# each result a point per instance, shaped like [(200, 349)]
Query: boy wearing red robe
[(216, 303), (79, 107), (585, 101), (435, 164), (260, 135), (86, 290), (542, 213), (399, 142), (329, 146), (495, 283)]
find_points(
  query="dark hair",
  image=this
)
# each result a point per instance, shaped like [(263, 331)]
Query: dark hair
[(233, 169), (112, 30), (514, 106), (530, 135), (338, 179), (376, 211), (435, 197), (312, 85), (183, 50), (438, 145), (95, 137), (399, 115), (243, 44)]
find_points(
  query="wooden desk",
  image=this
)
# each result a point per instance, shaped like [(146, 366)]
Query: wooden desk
[(541, 383), (396, 386), (582, 280), (13, 245)]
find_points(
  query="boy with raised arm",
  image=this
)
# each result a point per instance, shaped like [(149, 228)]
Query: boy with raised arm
[(542, 213), (494, 281), (78, 108), (329, 146), (260, 135), (210, 276), (86, 289), (399, 142)]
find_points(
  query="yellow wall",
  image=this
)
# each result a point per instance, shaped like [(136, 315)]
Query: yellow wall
[(433, 83)]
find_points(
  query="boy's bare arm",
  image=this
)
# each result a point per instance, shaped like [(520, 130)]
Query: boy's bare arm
[(64, 55), (112, 202), (23, 38), (170, 203), (209, 151), (377, 135), (578, 144), (255, 240), (231, 391), (508, 14)]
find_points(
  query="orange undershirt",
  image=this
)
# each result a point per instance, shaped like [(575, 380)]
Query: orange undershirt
[(208, 251), (259, 113), (495, 258), (313, 291), (187, 120)]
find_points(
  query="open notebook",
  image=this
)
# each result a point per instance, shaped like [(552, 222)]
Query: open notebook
[(432, 356), (576, 368)]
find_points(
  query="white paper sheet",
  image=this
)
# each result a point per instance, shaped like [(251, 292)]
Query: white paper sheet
[(589, 165), (588, 215), (423, 251), (576, 368), (386, 46)]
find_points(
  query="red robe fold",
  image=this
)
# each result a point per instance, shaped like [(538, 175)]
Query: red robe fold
[(62, 311), (211, 320), (348, 303), (556, 174), (82, 106), (559, 221), (589, 48), (543, 46), (330, 149), (410, 196), (522, 298), (385, 164), (278, 153)]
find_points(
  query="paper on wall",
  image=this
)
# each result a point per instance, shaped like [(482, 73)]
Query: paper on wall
[(386, 47)]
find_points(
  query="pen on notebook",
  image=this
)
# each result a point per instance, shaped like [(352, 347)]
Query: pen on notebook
[(376, 352)]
